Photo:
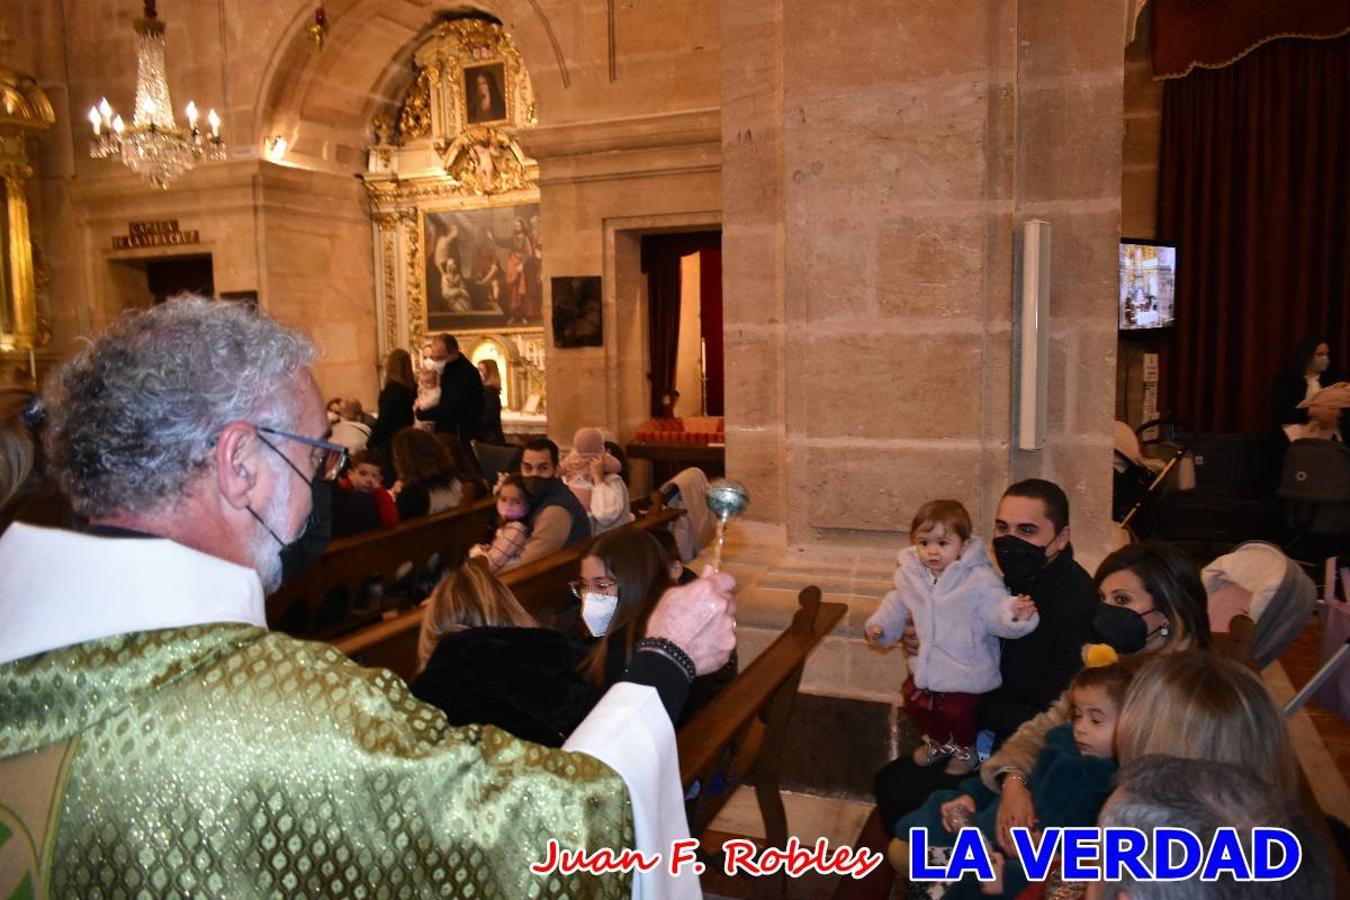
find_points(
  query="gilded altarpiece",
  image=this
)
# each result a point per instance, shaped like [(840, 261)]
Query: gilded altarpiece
[(454, 206), (25, 113)]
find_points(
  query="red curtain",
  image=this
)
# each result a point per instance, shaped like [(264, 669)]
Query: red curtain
[(710, 315), (661, 255), (1254, 186), (1215, 33)]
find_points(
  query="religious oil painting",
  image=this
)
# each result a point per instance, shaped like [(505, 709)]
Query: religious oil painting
[(484, 93), (483, 268), (577, 318)]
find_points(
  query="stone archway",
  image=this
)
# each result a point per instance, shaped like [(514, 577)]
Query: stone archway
[(322, 101)]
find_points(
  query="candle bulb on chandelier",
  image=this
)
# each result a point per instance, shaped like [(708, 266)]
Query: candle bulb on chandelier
[(192, 115), (117, 124), (105, 110), (96, 120), (214, 121)]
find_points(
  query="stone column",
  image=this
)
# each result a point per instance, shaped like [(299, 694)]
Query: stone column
[(876, 163), (1069, 93), (753, 276)]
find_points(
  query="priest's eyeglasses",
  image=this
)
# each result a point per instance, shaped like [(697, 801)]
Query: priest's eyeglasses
[(580, 586), (328, 458)]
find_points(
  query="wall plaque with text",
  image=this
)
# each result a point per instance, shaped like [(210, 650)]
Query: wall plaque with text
[(164, 233)]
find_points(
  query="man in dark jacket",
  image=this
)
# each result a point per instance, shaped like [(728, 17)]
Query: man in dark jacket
[(1031, 544), (557, 519), (460, 410)]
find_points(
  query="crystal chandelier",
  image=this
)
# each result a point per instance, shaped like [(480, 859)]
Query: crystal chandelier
[(153, 146)]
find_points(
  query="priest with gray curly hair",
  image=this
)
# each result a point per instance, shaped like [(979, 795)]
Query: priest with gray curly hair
[(156, 738)]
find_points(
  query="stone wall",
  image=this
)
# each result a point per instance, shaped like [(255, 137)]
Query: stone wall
[(868, 164), (875, 169), (1138, 192), (293, 232)]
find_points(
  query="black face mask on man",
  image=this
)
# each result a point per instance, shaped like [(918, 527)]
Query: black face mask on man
[(536, 485), (1018, 560), (1123, 628)]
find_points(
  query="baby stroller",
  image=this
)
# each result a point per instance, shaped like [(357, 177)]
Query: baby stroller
[(1145, 470), (1315, 490), (1257, 580)]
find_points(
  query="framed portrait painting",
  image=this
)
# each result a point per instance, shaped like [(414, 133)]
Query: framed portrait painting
[(483, 268), (577, 318), (485, 94)]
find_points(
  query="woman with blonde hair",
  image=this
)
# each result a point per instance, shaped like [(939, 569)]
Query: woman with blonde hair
[(487, 662), (1200, 706), (469, 597), (395, 411)]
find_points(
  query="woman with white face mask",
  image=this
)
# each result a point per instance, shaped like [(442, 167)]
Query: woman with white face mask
[(623, 575), (1309, 371)]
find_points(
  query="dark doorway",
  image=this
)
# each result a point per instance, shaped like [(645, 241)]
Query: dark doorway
[(180, 275), (665, 260)]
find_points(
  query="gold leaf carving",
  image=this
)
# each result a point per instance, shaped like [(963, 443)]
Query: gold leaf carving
[(414, 120), (417, 307), (483, 160)]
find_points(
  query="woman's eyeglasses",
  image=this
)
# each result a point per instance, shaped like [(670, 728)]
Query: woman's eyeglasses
[(580, 586)]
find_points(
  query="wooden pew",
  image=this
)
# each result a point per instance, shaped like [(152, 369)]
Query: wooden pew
[(319, 603), (540, 586), (739, 737)]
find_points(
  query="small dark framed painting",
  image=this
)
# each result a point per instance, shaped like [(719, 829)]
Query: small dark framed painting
[(577, 319), (484, 94)]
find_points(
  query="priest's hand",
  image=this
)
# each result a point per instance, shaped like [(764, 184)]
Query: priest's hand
[(699, 618)]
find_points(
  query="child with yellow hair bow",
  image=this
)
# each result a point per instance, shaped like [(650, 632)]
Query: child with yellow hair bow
[(1069, 784)]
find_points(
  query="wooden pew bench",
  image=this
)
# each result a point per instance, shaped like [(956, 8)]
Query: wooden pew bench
[(540, 586), (739, 739), (320, 603)]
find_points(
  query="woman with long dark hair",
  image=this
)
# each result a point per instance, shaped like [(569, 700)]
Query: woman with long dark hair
[(396, 400), (1307, 372), (429, 480), (623, 575), (491, 430)]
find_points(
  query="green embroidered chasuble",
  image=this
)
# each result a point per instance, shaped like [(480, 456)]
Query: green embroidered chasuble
[(228, 761)]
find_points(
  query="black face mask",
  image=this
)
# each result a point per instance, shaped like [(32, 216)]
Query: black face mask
[(1123, 628), (311, 543), (536, 485), (1019, 560)]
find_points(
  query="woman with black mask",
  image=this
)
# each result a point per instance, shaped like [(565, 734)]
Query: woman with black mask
[(1151, 600)]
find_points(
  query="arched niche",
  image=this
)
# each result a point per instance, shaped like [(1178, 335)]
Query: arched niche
[(321, 100)]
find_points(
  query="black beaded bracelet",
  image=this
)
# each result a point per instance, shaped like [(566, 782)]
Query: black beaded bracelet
[(672, 651)]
